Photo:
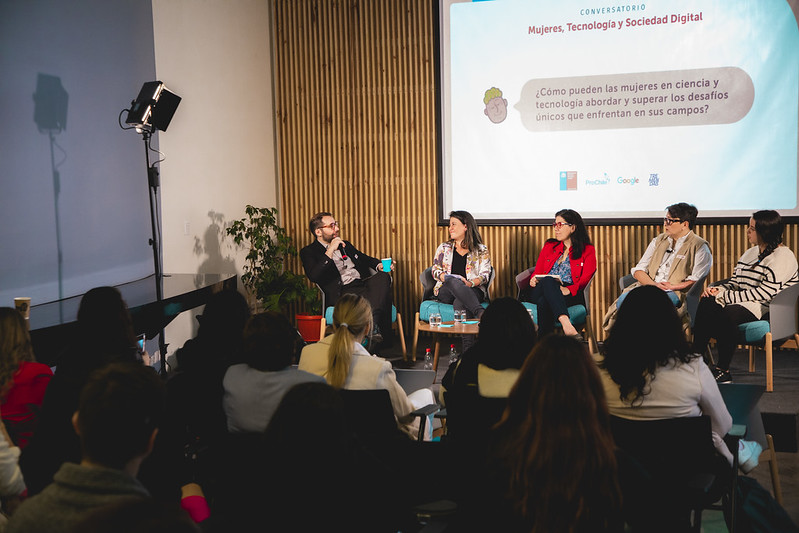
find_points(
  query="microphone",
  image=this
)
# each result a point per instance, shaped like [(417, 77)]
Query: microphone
[(343, 253), (669, 251)]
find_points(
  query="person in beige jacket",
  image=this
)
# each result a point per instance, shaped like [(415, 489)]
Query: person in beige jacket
[(673, 261), (343, 361)]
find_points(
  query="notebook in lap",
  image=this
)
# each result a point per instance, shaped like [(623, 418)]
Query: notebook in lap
[(413, 380)]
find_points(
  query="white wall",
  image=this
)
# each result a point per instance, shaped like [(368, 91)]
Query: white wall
[(216, 55)]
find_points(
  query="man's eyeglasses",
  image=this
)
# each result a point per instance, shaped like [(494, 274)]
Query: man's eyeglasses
[(669, 221), (558, 225), (334, 223)]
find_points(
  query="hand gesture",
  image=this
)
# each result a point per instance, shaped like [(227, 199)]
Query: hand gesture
[(710, 291), (333, 246)]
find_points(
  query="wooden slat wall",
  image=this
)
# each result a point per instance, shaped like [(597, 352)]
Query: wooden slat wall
[(355, 96)]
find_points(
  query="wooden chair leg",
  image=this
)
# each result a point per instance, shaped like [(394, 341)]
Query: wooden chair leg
[(401, 336), (415, 337), (592, 344), (322, 328), (770, 455), (751, 358), (769, 364)]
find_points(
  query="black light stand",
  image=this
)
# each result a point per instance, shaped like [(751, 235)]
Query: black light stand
[(153, 109)]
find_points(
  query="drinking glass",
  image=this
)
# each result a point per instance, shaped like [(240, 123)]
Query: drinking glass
[(460, 316)]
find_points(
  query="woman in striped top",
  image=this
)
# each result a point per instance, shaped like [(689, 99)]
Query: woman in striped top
[(762, 271)]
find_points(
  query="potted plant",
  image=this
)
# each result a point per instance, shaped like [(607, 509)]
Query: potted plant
[(265, 274)]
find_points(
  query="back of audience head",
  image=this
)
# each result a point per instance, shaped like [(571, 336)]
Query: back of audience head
[(268, 341), (647, 334), (308, 414), (219, 336), (352, 320), (119, 412), (15, 345), (135, 515), (684, 213), (224, 316), (104, 319), (507, 334), (555, 441)]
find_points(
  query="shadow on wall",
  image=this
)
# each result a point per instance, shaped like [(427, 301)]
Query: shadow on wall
[(211, 245), (50, 115)]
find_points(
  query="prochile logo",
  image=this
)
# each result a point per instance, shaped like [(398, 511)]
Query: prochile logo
[(568, 180), (604, 180)]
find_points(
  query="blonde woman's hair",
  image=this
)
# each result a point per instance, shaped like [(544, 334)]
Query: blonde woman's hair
[(352, 318), (15, 346)]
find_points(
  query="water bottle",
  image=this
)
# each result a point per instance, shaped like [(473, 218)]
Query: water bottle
[(453, 355), (428, 360)]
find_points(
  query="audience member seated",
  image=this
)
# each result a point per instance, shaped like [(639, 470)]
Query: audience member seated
[(572, 257), (253, 389), (673, 261), (195, 391), (649, 372), (23, 381), (104, 334), (344, 362), (489, 369), (762, 271), (552, 464), (12, 486), (117, 420), (309, 473), (195, 423)]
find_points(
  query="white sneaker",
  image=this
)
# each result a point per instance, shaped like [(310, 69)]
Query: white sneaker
[(748, 455)]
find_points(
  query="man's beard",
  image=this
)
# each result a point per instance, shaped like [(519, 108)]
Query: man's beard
[(330, 239)]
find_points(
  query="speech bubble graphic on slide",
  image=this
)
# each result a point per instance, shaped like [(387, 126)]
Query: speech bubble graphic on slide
[(695, 97)]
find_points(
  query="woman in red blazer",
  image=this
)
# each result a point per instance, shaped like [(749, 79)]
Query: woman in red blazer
[(554, 297)]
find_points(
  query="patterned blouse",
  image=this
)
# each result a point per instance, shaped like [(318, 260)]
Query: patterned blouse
[(562, 269), (478, 264)]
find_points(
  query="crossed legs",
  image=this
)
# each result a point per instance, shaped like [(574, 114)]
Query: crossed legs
[(552, 305)]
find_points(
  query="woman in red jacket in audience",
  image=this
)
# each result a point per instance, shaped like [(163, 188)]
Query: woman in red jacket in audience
[(23, 381)]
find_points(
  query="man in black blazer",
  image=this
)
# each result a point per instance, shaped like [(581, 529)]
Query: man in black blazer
[(339, 268)]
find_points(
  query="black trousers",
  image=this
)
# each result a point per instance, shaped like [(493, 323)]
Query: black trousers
[(721, 323), (461, 296), (551, 303), (376, 289)]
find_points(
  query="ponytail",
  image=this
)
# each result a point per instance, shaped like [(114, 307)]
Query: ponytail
[(352, 318)]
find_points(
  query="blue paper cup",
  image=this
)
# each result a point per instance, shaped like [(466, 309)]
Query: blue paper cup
[(386, 264)]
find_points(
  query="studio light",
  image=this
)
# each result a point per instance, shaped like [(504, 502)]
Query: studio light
[(153, 108)]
